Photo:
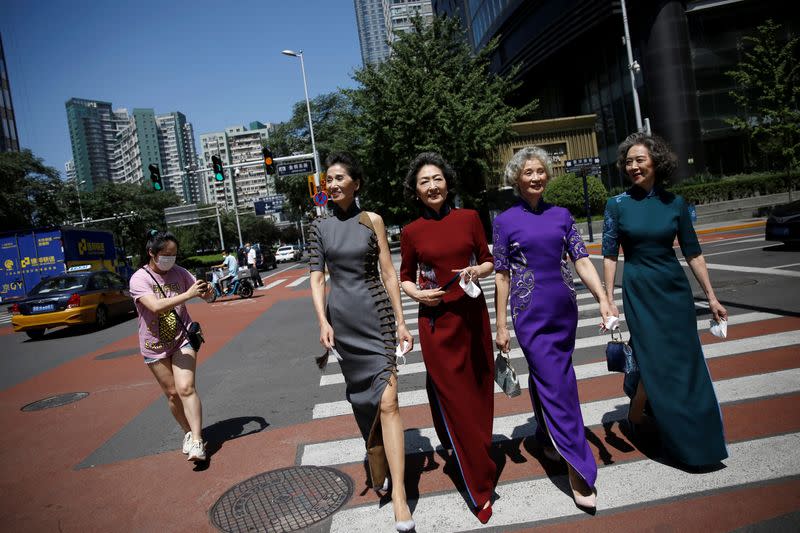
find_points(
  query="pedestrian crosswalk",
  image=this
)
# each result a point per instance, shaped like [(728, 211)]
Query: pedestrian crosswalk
[(757, 365), (5, 317)]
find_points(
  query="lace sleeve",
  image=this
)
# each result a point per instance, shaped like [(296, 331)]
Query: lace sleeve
[(316, 251), (611, 229)]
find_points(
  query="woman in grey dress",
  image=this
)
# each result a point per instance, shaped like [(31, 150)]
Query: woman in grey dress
[(359, 322)]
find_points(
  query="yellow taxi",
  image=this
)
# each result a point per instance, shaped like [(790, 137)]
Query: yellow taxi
[(72, 299)]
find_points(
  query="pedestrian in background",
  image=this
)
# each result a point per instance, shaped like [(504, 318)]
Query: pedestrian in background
[(252, 263), (659, 305), (362, 323), (454, 330), (532, 242), (162, 341)]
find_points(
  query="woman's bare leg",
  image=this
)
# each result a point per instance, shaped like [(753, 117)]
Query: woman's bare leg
[(183, 370), (394, 446), (162, 370)]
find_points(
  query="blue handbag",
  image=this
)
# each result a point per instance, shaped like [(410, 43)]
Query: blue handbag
[(619, 354)]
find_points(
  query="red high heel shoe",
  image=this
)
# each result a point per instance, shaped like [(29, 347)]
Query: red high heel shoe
[(484, 514)]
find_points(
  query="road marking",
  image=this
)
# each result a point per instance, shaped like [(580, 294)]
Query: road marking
[(279, 272), (600, 340), (752, 270), (734, 251), (274, 283), (523, 424), (590, 370), (740, 240), (787, 266), (584, 371), (298, 281), (621, 486)]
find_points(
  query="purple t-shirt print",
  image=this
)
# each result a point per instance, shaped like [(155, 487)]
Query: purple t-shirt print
[(160, 335)]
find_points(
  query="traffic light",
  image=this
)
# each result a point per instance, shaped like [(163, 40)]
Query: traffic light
[(155, 177), (269, 163), (216, 165)]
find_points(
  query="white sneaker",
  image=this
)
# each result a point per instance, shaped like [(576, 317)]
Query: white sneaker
[(187, 442), (197, 451)]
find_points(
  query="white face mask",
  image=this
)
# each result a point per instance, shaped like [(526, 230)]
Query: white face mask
[(165, 262), (471, 289)]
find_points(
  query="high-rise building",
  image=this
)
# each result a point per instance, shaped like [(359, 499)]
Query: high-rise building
[(574, 61), (179, 156), (379, 20), (398, 15), (92, 130), (235, 145), (117, 147), (69, 171), (9, 141), (372, 35)]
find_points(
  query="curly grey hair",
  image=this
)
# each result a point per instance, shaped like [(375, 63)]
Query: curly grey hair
[(517, 163)]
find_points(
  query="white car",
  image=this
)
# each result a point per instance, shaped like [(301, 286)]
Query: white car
[(286, 253)]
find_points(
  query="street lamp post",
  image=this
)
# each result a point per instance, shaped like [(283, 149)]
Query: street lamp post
[(310, 122), (633, 68), (78, 190)]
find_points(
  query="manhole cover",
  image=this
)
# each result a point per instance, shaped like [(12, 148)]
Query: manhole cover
[(55, 401), (118, 353), (282, 500)]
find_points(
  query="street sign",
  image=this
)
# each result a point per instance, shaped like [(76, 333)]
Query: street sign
[(295, 167), (320, 198), (583, 166), (268, 205), (184, 215)]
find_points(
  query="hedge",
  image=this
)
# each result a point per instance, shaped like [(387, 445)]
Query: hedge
[(567, 191), (734, 188)]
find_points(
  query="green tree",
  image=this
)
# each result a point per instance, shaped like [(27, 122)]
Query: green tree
[(768, 92), (431, 94), (32, 193), (567, 191)]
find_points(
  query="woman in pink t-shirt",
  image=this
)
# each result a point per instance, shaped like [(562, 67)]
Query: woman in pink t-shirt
[(162, 340)]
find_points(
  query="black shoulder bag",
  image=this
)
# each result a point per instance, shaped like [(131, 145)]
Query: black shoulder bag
[(194, 333)]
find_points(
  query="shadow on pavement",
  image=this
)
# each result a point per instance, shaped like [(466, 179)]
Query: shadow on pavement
[(218, 433)]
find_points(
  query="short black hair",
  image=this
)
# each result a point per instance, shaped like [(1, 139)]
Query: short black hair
[(429, 158), (665, 162), (349, 162), (156, 241)]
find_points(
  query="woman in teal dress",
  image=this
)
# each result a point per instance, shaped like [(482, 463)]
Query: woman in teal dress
[(659, 306)]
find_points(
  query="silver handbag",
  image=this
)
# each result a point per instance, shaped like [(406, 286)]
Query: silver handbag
[(505, 376)]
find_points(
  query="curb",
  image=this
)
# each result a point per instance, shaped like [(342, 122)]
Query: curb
[(732, 227)]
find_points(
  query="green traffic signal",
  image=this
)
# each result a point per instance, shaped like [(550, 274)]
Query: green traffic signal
[(216, 165), (155, 177)]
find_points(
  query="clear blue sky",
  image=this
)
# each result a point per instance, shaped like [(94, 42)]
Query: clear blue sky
[(217, 62)]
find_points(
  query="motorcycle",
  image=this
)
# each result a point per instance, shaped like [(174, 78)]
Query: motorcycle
[(241, 285)]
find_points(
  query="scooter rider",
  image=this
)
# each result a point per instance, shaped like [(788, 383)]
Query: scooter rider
[(231, 266)]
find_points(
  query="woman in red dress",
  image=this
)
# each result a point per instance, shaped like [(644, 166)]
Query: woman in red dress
[(454, 330)]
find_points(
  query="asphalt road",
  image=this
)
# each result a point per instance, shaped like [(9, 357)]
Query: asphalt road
[(266, 406)]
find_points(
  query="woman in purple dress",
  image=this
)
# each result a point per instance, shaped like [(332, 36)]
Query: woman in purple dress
[(531, 243)]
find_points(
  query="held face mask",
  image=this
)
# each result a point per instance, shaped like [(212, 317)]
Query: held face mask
[(471, 289)]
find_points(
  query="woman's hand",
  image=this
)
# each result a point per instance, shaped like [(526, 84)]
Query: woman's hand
[(607, 310), (470, 273), (403, 337), (502, 339), (326, 335), (430, 297), (198, 288), (720, 313)]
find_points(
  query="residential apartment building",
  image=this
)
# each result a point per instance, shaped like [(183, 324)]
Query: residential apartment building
[(398, 15), (179, 156), (235, 145), (372, 36), (69, 171), (9, 140), (114, 146)]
